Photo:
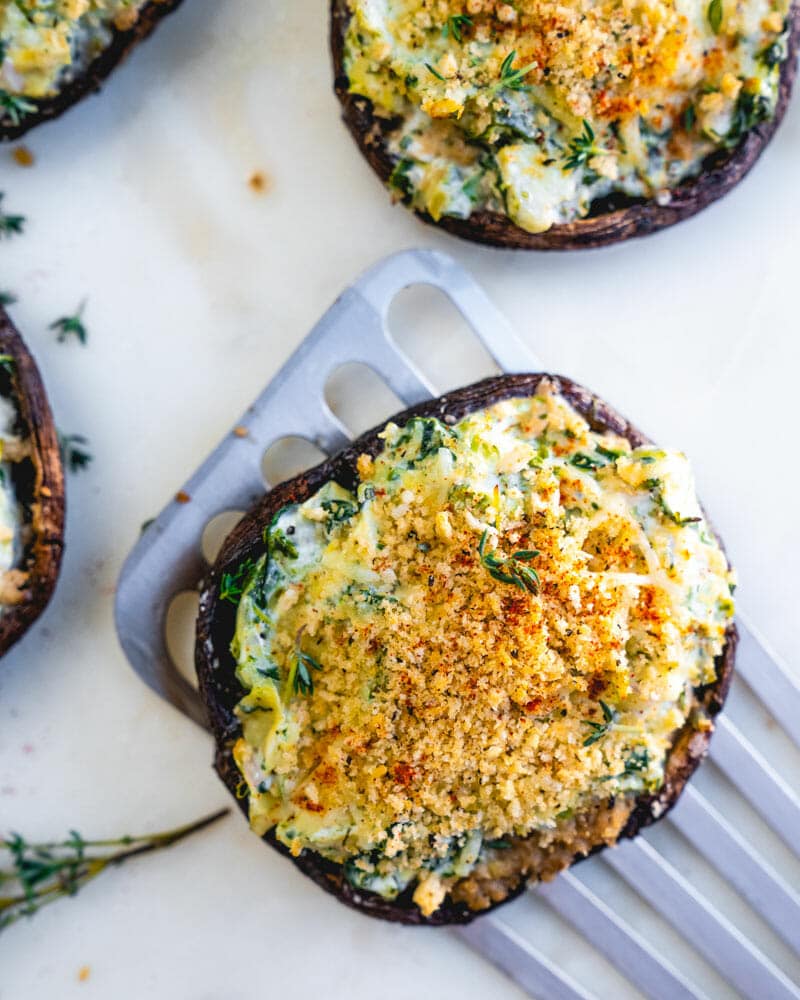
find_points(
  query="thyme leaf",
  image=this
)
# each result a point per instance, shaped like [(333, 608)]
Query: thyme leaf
[(14, 108), (10, 225), (513, 570), (73, 453), (714, 15), (455, 24), (71, 326), (599, 729), (232, 584)]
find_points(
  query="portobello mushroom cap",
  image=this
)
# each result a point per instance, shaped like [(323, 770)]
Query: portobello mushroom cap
[(92, 78), (611, 219), (39, 486), (221, 690)]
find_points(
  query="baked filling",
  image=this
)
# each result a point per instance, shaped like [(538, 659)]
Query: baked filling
[(497, 635), (539, 108), (46, 43)]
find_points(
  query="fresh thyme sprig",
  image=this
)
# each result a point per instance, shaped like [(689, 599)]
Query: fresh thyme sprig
[(34, 875), (7, 298), (512, 570), (599, 729), (435, 72), (455, 24), (10, 225), (610, 721), (232, 584), (299, 679), (73, 453), (510, 78), (14, 108), (582, 149), (71, 326)]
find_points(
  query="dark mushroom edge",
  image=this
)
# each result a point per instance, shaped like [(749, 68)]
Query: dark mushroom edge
[(221, 691), (610, 220), (38, 484)]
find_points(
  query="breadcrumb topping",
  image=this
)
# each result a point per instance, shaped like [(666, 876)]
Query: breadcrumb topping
[(499, 629)]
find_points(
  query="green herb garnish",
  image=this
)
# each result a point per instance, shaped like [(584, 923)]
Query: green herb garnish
[(279, 541), (599, 729), (582, 149), (455, 24), (657, 493), (14, 108), (714, 15), (232, 584), (510, 78), (73, 453), (339, 511), (300, 680), (10, 225), (400, 180), (435, 72), (7, 298), (40, 874), (71, 326), (583, 461), (512, 570)]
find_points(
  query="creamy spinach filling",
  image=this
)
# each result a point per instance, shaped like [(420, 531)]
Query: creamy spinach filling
[(46, 43), (538, 109), (501, 626), (11, 515)]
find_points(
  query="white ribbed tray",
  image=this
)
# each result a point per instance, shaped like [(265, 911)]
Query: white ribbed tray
[(167, 560)]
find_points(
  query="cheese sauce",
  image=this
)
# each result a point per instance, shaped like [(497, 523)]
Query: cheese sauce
[(539, 108), (501, 626)]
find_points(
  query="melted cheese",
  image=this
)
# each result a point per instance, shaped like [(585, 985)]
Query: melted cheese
[(11, 546), (44, 43), (536, 109), (501, 627)]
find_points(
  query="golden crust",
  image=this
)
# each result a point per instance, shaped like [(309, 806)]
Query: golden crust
[(534, 857)]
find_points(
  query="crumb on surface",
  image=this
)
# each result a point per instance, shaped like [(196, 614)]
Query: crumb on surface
[(22, 156), (83, 973), (240, 432), (182, 497), (259, 182)]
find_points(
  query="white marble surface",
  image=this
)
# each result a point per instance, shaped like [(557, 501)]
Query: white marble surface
[(197, 290)]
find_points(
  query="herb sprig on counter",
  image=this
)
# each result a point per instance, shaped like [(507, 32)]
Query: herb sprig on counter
[(33, 875), (10, 225), (71, 326), (73, 451)]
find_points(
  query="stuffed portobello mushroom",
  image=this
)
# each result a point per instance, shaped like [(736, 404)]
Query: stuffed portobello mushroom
[(543, 125), (31, 491), (55, 52), (482, 643)]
